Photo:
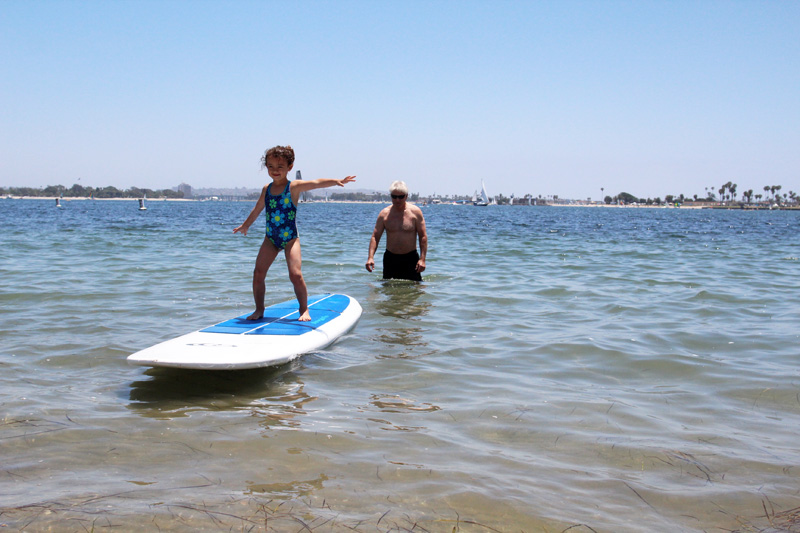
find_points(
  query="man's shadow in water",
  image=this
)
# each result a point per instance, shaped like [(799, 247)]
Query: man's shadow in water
[(175, 392), (400, 299), (407, 301)]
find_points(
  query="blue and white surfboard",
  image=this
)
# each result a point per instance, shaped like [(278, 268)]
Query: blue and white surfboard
[(277, 338)]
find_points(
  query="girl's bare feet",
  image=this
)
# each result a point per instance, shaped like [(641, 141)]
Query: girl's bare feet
[(257, 315)]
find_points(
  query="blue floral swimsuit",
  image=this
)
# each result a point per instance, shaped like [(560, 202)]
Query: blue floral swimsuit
[(281, 212)]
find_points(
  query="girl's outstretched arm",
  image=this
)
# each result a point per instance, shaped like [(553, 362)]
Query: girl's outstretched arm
[(304, 185)]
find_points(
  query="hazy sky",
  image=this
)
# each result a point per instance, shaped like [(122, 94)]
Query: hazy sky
[(543, 97)]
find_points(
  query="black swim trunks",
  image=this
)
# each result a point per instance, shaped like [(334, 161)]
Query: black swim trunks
[(401, 266)]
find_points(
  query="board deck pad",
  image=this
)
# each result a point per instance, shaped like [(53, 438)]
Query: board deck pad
[(281, 319), (277, 338)]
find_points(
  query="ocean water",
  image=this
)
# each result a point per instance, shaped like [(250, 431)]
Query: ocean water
[(580, 369)]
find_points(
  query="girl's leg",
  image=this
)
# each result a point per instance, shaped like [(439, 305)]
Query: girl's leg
[(266, 255), (293, 261)]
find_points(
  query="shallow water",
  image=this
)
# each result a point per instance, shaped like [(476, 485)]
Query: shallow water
[(595, 369)]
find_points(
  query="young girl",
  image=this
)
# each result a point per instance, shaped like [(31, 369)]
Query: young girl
[(280, 198)]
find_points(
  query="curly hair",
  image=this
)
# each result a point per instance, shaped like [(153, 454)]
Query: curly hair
[(284, 152)]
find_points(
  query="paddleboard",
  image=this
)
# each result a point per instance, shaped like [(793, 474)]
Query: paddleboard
[(276, 339)]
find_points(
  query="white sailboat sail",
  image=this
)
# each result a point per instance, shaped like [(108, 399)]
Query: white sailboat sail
[(299, 177), (484, 198)]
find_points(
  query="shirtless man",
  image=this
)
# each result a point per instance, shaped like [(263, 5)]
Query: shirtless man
[(403, 224)]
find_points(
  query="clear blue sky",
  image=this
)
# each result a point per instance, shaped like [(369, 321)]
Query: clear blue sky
[(542, 97)]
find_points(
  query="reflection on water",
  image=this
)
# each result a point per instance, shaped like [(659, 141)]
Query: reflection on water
[(400, 299), (404, 300), (406, 336), (294, 489), (389, 406), (275, 392), (391, 403)]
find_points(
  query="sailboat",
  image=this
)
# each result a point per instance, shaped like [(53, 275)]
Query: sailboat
[(484, 198), (299, 177), (141, 203)]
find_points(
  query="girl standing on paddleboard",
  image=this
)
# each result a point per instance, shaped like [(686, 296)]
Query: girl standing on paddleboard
[(280, 199)]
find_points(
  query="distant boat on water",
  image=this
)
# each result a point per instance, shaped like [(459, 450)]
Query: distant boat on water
[(299, 177), (483, 200), (142, 207), (58, 203)]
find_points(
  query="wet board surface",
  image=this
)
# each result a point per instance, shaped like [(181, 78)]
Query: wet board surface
[(275, 339)]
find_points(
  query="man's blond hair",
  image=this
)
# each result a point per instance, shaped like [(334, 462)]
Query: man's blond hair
[(399, 186)]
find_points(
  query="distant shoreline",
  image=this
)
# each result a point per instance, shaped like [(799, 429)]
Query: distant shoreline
[(597, 205), (84, 198)]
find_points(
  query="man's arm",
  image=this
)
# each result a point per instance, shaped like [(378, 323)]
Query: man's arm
[(422, 233), (374, 240)]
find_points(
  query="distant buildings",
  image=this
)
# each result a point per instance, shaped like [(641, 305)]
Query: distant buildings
[(186, 189)]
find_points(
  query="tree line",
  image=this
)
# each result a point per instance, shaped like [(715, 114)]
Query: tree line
[(727, 195), (78, 191)]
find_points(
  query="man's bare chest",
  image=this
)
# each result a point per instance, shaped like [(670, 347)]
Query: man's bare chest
[(402, 223)]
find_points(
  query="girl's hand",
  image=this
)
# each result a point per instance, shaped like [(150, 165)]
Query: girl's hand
[(348, 179), (241, 229)]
